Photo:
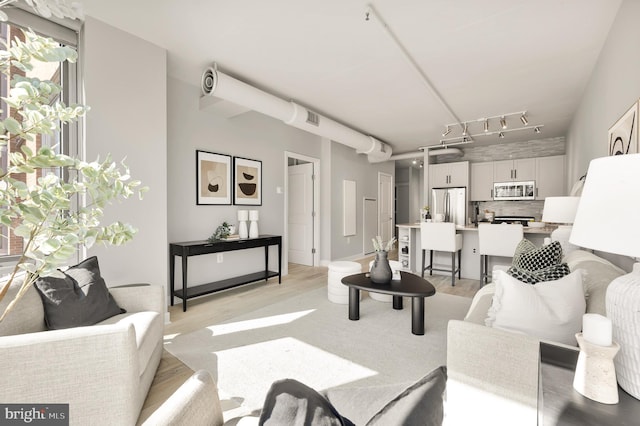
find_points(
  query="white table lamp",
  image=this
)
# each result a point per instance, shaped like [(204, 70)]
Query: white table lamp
[(243, 216), (561, 211), (606, 221)]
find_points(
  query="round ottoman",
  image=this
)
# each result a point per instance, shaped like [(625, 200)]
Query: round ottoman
[(396, 267), (338, 292)]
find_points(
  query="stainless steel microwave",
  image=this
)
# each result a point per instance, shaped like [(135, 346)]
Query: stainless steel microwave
[(514, 190)]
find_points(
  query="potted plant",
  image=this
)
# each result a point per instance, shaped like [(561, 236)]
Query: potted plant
[(41, 211)]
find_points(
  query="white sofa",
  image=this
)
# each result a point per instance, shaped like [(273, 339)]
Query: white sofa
[(102, 371), (598, 275)]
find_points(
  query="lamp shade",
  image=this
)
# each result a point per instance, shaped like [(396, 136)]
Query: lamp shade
[(609, 206), (254, 215), (243, 215), (560, 209)]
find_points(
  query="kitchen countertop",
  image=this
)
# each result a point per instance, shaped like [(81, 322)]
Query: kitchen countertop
[(527, 230)]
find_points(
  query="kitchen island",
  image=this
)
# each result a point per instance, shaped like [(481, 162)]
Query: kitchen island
[(410, 249)]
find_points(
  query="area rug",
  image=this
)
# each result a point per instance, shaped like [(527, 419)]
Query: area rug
[(310, 339)]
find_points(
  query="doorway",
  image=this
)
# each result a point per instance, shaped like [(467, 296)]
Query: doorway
[(301, 204)]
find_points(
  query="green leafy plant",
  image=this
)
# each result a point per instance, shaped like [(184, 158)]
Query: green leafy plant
[(42, 211), (221, 232)]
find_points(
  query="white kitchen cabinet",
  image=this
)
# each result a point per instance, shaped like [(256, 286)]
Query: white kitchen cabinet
[(514, 170), (550, 177), (449, 175), (481, 181)]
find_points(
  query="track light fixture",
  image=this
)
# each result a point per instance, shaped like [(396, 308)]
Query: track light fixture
[(481, 127)]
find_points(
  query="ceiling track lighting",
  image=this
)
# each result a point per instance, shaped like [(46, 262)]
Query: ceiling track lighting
[(468, 133)]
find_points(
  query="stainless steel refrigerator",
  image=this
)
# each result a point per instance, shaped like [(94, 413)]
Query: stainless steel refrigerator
[(450, 202)]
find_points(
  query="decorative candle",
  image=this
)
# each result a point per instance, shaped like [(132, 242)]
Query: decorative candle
[(596, 329)]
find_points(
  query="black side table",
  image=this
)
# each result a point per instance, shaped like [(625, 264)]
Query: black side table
[(560, 404)]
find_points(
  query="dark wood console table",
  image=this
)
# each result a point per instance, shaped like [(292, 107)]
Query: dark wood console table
[(195, 248)]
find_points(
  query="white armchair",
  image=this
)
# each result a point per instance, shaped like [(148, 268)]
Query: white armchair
[(103, 371)]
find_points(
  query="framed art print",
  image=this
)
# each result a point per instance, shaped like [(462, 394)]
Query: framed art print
[(213, 178), (623, 135), (247, 188)]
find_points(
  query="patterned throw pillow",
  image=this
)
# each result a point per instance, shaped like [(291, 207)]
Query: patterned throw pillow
[(551, 273), (533, 264)]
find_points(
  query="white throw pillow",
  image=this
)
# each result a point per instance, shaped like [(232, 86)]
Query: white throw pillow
[(548, 310)]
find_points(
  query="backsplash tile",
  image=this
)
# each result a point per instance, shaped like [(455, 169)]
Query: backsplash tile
[(508, 151), (511, 208)]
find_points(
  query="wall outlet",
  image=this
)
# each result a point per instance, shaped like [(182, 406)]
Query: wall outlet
[(220, 258), (474, 250)]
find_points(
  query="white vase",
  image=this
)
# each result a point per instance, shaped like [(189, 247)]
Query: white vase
[(242, 229), (253, 229)]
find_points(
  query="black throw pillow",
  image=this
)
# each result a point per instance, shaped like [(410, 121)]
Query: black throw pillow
[(80, 298), (292, 403)]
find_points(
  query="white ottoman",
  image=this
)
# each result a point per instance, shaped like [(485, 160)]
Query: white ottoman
[(396, 267), (338, 292)]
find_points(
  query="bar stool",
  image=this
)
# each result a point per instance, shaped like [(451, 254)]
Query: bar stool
[(441, 236), (496, 240)]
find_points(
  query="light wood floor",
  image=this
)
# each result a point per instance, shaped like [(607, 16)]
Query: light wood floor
[(220, 307)]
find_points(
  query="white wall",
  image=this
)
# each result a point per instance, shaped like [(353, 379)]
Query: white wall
[(125, 86), (613, 87), (251, 135), (347, 164)]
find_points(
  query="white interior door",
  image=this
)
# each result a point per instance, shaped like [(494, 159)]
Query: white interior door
[(385, 206), (301, 214)]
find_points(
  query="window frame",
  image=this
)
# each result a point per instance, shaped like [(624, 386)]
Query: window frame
[(66, 32)]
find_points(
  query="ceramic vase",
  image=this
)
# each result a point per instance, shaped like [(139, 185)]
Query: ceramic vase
[(380, 270)]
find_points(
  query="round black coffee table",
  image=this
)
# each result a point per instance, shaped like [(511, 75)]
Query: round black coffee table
[(409, 285)]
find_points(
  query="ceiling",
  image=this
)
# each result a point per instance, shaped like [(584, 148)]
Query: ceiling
[(483, 58)]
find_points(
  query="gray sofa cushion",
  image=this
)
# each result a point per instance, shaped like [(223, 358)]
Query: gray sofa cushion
[(27, 315), (80, 298), (289, 402)]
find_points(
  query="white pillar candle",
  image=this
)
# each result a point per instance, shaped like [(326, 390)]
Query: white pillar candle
[(596, 329)]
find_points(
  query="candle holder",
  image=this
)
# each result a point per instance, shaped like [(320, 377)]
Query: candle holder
[(595, 375), (243, 216)]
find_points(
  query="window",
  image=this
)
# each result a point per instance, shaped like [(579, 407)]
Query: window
[(64, 74)]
